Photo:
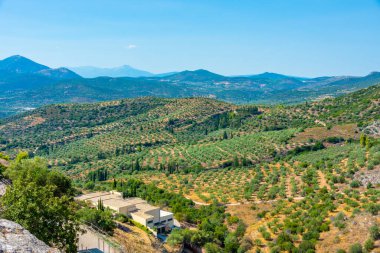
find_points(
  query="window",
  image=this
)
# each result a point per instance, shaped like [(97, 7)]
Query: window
[(170, 219), (150, 222)]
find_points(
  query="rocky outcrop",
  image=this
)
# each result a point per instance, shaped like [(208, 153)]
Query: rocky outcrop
[(373, 129), (14, 238), (369, 176), (3, 185), (3, 188), (4, 162)]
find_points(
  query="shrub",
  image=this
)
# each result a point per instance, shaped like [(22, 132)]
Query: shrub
[(372, 208), (374, 232), (232, 219), (305, 246), (245, 245), (355, 184), (100, 219), (90, 185), (356, 248), (266, 235), (212, 248), (369, 245)]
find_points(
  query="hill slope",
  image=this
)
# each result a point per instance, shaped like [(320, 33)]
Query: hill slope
[(186, 132), (26, 84), (301, 174)]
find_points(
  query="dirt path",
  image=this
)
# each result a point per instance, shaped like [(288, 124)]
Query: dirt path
[(239, 203), (322, 180)]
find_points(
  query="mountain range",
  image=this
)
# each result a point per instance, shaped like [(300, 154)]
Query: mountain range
[(122, 71), (17, 64), (26, 84)]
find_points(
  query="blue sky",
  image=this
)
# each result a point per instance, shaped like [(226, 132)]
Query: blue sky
[(295, 37)]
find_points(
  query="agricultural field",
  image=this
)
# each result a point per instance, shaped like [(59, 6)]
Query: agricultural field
[(270, 181), (316, 199), (297, 178), (346, 131)]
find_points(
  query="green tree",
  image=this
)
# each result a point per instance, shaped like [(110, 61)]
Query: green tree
[(236, 162), (39, 202), (35, 170), (22, 155), (114, 184), (137, 165), (100, 205), (231, 243), (363, 139), (368, 143), (98, 218), (50, 218)]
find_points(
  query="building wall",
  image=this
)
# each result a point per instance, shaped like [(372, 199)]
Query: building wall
[(130, 208), (139, 219), (155, 213), (167, 218)]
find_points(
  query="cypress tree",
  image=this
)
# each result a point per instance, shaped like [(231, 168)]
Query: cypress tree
[(363, 140)]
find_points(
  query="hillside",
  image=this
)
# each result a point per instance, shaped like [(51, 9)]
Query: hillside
[(27, 85), (187, 132), (284, 177)]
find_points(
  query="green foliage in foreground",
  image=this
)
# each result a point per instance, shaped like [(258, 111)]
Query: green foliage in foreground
[(41, 201), (98, 218)]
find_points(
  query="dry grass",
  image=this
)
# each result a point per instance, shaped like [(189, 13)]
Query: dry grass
[(357, 231), (246, 213), (136, 240), (318, 133)]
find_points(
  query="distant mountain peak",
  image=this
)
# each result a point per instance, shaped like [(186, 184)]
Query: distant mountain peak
[(18, 64), (59, 73), (270, 75), (16, 56), (195, 76), (21, 64)]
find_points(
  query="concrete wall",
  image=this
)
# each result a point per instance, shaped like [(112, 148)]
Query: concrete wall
[(139, 219), (155, 213)]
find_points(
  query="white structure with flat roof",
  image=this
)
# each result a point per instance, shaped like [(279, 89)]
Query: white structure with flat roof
[(136, 208)]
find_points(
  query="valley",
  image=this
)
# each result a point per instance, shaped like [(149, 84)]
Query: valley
[(168, 126), (297, 178)]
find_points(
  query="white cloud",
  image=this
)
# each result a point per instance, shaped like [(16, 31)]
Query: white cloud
[(131, 46)]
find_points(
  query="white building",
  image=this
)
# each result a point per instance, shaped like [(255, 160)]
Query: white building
[(136, 208)]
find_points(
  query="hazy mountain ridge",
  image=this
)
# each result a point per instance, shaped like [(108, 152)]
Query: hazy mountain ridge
[(122, 71), (27, 84)]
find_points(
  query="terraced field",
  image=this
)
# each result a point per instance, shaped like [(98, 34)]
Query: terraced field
[(267, 181), (295, 179), (318, 188)]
